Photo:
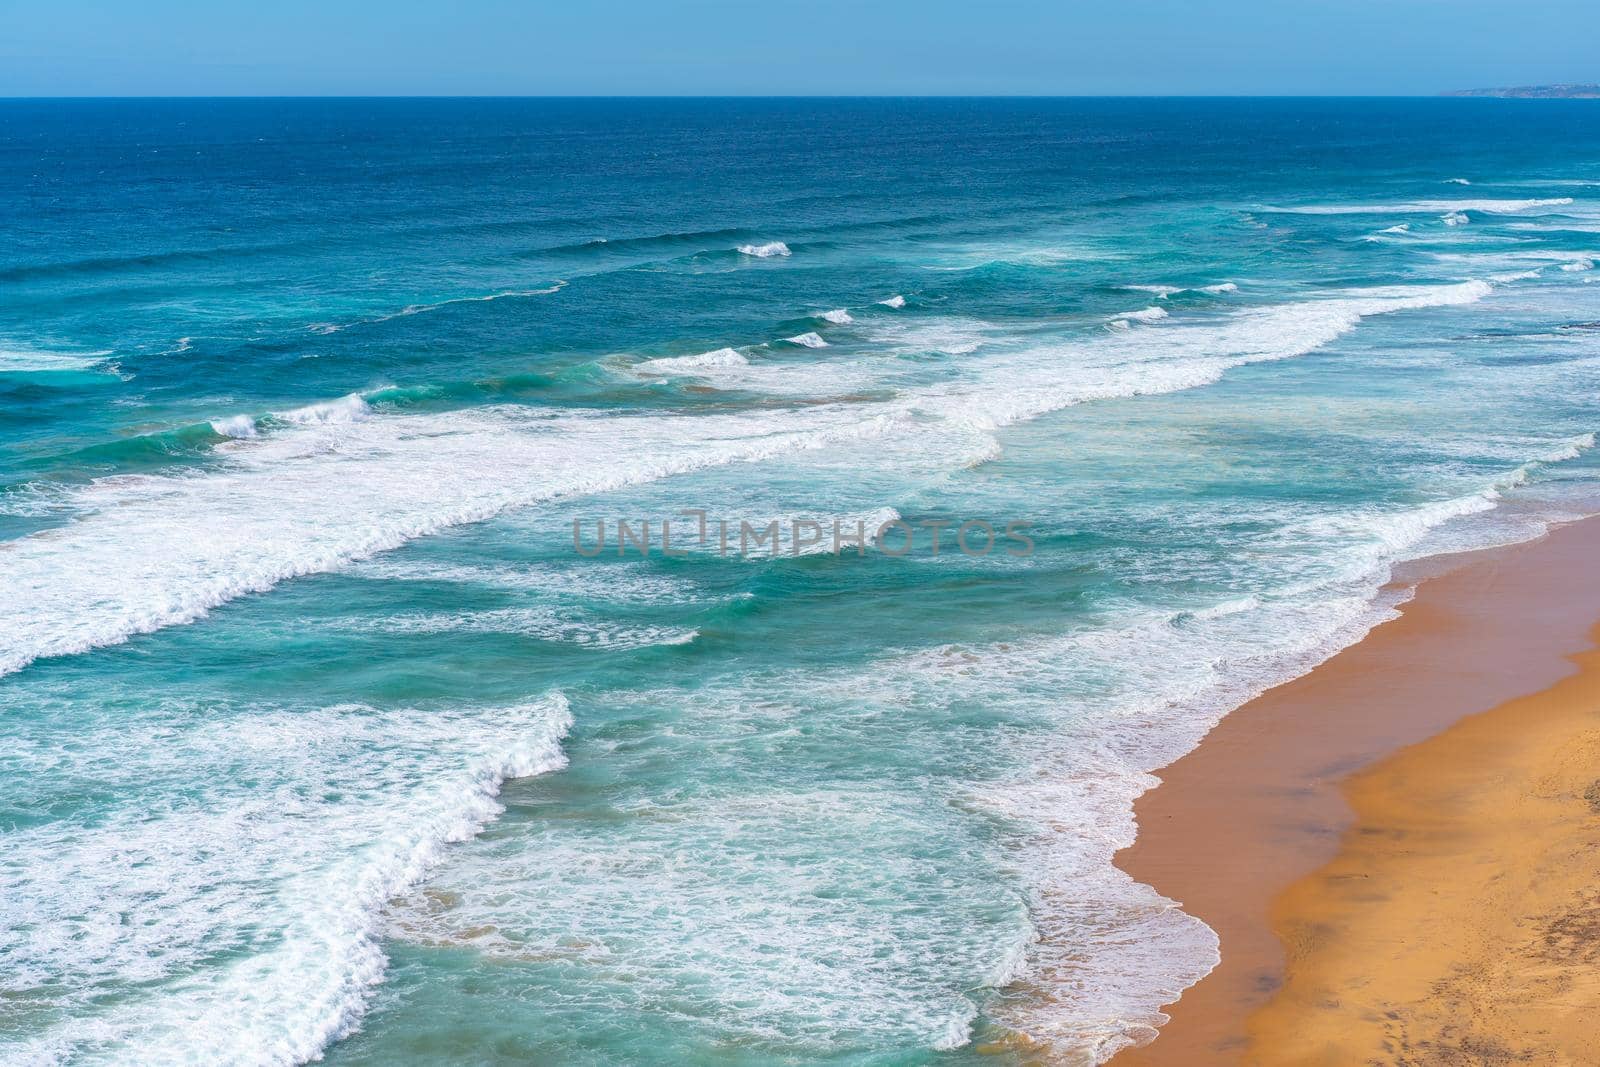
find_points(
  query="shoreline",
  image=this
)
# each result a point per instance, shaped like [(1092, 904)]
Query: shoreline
[(1260, 804)]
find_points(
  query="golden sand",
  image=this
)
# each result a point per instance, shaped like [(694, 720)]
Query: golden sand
[(1254, 833), (1460, 922)]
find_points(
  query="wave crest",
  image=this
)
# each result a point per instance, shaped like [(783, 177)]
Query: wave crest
[(240, 426), (765, 251), (721, 357), (352, 408), (360, 804), (1427, 207)]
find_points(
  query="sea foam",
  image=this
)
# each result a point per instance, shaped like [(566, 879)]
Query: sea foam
[(283, 839), (1174, 358), (337, 482), (721, 357), (240, 426), (765, 251), (1177, 673), (418, 309), (34, 361), (1162, 292), (325, 490), (352, 408), (1420, 207)]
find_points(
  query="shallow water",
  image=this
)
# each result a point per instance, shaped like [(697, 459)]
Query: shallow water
[(324, 736)]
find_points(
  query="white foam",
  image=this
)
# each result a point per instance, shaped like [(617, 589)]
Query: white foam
[(32, 361), (944, 336), (1567, 450), (612, 582), (1403, 534), (36, 500), (1455, 218), (1122, 699), (347, 409), (1182, 356), (1391, 232), (1150, 314), (1431, 207), (751, 872), (839, 317), (241, 426), (808, 340), (786, 378), (1111, 951), (336, 482), (721, 357), (1512, 259), (1567, 224), (1456, 181), (896, 301), (765, 251), (156, 550), (1578, 265), (1162, 292), (418, 309), (246, 875), (541, 623), (1129, 698)]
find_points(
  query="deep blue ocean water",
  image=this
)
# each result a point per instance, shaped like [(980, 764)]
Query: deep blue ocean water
[(323, 736)]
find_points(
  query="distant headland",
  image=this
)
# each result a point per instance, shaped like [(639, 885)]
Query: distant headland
[(1536, 92)]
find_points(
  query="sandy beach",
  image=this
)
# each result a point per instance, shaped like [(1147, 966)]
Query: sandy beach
[(750, 547), (1414, 821)]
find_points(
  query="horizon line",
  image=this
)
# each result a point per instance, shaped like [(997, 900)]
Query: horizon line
[(1445, 94)]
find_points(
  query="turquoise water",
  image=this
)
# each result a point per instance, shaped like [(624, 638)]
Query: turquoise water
[(322, 737)]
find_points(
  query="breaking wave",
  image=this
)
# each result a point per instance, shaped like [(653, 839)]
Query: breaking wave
[(765, 251)]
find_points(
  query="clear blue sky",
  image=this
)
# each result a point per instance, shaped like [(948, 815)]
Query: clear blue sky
[(696, 47)]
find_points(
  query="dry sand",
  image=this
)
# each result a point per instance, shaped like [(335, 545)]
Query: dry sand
[(1460, 922)]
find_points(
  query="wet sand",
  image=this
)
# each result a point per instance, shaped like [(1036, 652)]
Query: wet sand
[(1259, 807)]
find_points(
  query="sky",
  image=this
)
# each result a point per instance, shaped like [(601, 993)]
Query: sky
[(770, 47)]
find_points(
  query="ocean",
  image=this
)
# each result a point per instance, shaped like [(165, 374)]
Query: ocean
[(398, 663)]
